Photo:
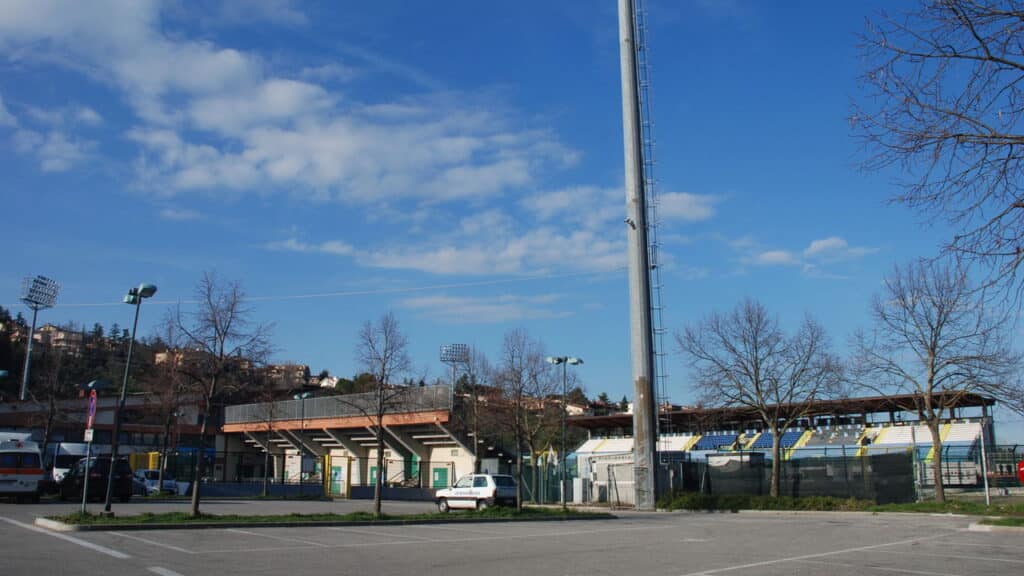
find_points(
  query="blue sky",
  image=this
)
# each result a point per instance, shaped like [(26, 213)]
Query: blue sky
[(457, 163)]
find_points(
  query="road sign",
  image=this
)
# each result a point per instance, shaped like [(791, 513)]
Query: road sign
[(91, 416), (88, 435)]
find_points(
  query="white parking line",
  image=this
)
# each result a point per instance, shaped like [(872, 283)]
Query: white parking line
[(152, 542), (819, 555), (163, 571), (72, 539), (875, 567), (955, 557), (281, 538), (385, 534)]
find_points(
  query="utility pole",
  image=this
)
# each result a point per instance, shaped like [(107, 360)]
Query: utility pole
[(645, 413)]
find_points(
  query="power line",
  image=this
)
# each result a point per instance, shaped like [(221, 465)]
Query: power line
[(372, 292)]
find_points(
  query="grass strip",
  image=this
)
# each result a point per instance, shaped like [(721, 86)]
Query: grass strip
[(737, 502), (1015, 521), (171, 518)]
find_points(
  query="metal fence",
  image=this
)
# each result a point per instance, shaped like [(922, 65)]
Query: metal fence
[(883, 475), (412, 399)]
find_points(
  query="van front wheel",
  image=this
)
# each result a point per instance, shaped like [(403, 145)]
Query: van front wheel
[(442, 505)]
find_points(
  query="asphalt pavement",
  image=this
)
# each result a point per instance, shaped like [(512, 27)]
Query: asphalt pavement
[(658, 544)]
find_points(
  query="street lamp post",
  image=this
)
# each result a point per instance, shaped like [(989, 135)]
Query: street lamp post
[(564, 361), (135, 297), (302, 425), (37, 293)]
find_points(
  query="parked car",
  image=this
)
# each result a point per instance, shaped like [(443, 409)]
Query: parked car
[(149, 477), (99, 470), (478, 491)]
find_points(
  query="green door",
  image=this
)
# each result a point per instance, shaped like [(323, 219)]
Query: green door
[(373, 475), (337, 480), (439, 478)]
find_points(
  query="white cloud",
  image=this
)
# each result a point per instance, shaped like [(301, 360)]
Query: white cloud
[(505, 308), (55, 151), (686, 206), (335, 247), (543, 249), (64, 115), (6, 118), (333, 72), (87, 115), (180, 214), (775, 258), (214, 120), (835, 248)]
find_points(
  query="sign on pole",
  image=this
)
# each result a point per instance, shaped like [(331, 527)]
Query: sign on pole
[(91, 415)]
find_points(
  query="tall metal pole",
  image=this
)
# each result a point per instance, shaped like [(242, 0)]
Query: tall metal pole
[(565, 367), (641, 336), (28, 356), (115, 441)]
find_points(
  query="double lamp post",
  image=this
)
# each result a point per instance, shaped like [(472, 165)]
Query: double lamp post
[(565, 361)]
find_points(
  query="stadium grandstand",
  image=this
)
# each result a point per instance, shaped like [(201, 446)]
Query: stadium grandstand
[(841, 430)]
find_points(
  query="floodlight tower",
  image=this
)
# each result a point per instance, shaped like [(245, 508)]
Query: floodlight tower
[(37, 293), (453, 355)]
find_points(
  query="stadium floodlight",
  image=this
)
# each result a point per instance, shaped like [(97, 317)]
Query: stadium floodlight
[(37, 293), (565, 361), (455, 353)]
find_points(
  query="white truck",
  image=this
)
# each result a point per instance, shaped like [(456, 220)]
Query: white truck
[(477, 492)]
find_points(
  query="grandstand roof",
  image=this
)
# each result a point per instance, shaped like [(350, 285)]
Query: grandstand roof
[(708, 418)]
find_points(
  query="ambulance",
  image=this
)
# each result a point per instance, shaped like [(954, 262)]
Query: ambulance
[(21, 470)]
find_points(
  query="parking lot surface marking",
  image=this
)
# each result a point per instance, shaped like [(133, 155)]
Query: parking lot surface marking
[(151, 542), (281, 538), (882, 568), (818, 555), (956, 557), (163, 571), (66, 538)]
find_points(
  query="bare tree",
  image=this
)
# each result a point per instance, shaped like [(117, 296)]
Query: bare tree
[(472, 388), (382, 351), (220, 341), (934, 339), (745, 359), (945, 106), (168, 388), (526, 380)]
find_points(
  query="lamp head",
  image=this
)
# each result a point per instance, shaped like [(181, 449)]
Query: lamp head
[(555, 359), (146, 290), (574, 361)]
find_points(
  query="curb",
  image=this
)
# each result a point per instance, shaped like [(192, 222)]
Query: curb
[(979, 527), (58, 526)]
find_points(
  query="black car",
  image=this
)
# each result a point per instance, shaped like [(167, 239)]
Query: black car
[(99, 471)]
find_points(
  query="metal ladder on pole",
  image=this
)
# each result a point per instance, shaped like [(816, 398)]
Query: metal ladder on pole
[(653, 220)]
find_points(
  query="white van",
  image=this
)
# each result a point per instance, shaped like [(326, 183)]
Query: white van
[(64, 456), (21, 469)]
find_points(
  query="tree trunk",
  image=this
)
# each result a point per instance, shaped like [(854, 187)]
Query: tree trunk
[(519, 470), (940, 490), (776, 463), (197, 468), (266, 466), (163, 457), (379, 475)]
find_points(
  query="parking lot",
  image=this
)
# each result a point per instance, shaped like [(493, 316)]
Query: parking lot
[(675, 544)]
